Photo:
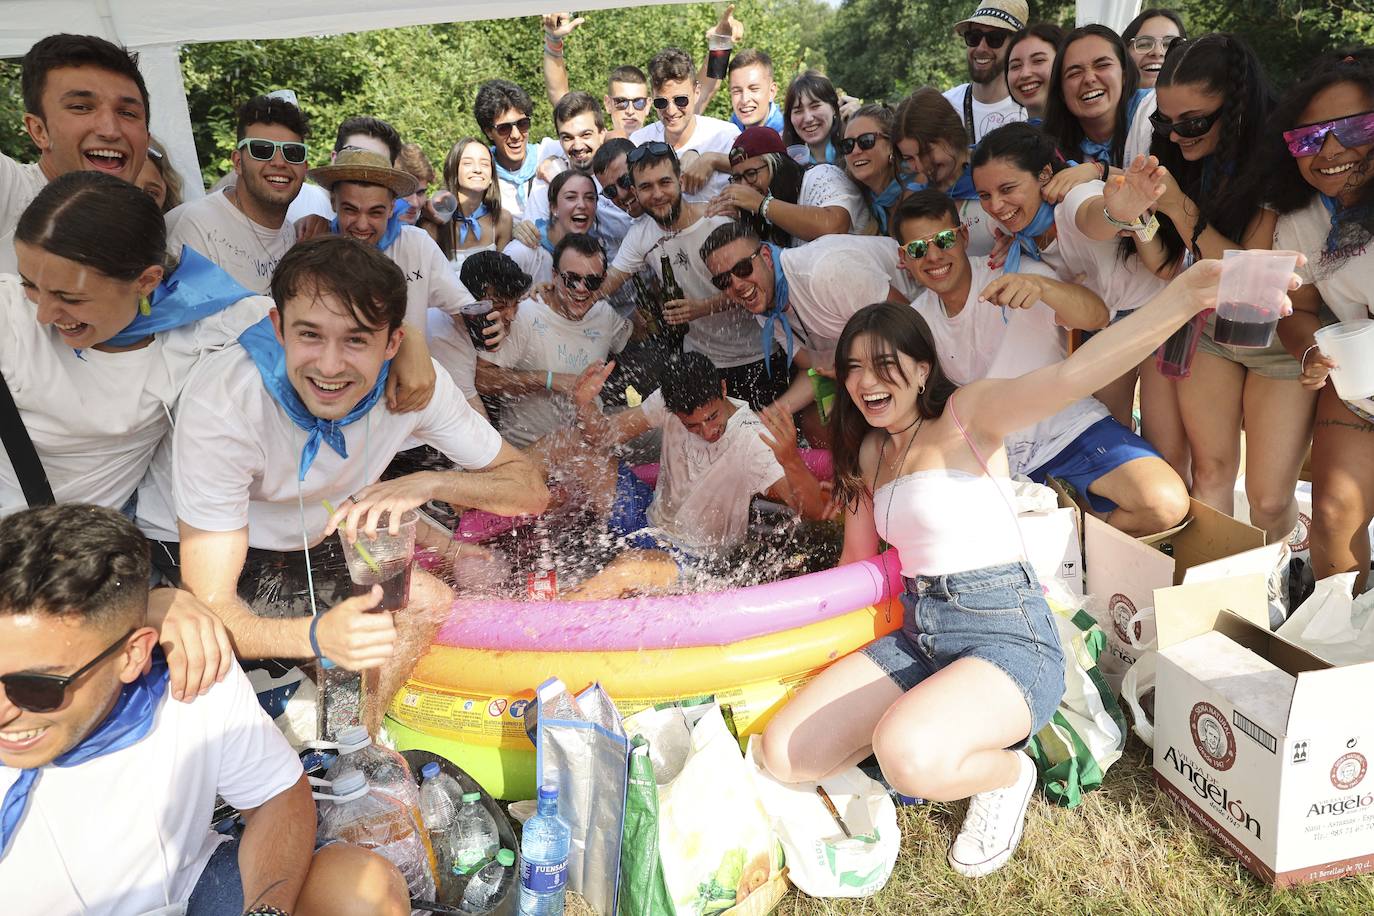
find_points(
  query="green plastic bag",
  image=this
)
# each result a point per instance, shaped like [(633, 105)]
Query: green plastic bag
[(642, 891)]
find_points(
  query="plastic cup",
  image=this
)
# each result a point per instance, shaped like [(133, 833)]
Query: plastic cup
[(475, 317), (1351, 345), (393, 557), (800, 153), (1250, 296), (718, 55), (1174, 358), (444, 206)]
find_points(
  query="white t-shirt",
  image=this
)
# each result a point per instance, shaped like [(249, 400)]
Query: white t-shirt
[(243, 249), (430, 279), (1345, 277), (129, 832), (702, 499), (510, 197), (832, 278), (19, 185), (986, 117), (977, 344), (542, 340), (709, 135), (312, 200), (451, 347), (728, 339), (535, 261), (96, 419), (1076, 258), (236, 454), (1140, 131), (825, 185), (980, 228)]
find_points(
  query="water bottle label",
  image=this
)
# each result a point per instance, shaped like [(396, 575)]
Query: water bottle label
[(543, 877)]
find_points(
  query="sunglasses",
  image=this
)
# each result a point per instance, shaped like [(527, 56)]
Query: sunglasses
[(503, 130), (944, 240), (1356, 130), (46, 692), (862, 141), (591, 282), (995, 38), (679, 101), (655, 148), (623, 183), (622, 103), (1188, 128), (1144, 44), (741, 268), (292, 151), (749, 175)]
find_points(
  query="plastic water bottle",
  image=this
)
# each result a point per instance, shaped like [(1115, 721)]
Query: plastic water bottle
[(474, 840), (386, 771), (440, 796), (485, 886), (366, 817), (544, 858)]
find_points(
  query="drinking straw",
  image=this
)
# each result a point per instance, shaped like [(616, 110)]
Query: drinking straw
[(358, 545)]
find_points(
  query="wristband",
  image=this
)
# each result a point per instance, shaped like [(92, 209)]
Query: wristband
[(552, 50), (265, 911), (763, 207), (1137, 226), (548, 381), (315, 643)]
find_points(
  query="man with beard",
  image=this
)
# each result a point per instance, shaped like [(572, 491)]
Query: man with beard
[(85, 108), (984, 102), (725, 334), (244, 228)]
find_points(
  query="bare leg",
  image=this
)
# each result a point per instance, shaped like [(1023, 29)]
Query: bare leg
[(631, 571), (431, 601), (347, 880), (1210, 404), (1119, 397), (1160, 423), (945, 739), (1278, 426), (1149, 496), (1342, 490)]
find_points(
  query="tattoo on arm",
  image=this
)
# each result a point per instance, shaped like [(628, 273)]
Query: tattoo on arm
[(1348, 424), (265, 891)]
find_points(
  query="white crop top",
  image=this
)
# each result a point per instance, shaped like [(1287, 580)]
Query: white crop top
[(947, 521)]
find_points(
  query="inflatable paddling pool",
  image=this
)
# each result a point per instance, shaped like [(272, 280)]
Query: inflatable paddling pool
[(750, 647)]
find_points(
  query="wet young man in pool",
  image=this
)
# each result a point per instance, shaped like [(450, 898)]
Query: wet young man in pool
[(268, 432), (717, 454), (109, 786)]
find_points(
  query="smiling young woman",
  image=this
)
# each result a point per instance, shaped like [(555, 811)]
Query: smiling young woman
[(1094, 92)]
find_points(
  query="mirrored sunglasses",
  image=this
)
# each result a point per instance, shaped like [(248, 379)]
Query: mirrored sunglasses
[(1355, 130), (943, 240), (622, 103)]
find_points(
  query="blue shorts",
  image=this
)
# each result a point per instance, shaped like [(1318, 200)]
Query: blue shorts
[(997, 614), (219, 891), (1098, 450)]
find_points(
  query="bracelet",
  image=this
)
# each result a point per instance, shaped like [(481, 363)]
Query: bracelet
[(1302, 363), (1139, 224), (315, 642), (553, 52), (266, 911), (548, 381), (763, 207)]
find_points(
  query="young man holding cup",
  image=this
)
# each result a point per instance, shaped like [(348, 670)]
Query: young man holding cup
[(270, 432), (692, 136)]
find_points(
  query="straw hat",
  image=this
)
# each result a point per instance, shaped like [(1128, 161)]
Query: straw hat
[(998, 14), (366, 167)]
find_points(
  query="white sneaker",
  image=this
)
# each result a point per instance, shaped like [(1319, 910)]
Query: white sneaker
[(992, 827)]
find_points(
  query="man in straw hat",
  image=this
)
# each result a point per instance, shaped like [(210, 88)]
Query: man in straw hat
[(985, 102)]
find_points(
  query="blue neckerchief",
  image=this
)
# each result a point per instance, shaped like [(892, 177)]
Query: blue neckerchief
[(782, 299), (773, 120), (389, 235), (831, 154), (261, 343), (881, 202), (464, 223), (963, 188), (128, 722), (1035, 122), (195, 290), (1025, 239), (1094, 151), (1332, 206), (522, 176), (543, 226)]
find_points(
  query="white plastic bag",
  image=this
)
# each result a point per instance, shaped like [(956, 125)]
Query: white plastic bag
[(1332, 625), (1137, 689), (821, 861)]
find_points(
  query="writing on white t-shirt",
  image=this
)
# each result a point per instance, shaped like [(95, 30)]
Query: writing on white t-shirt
[(243, 249)]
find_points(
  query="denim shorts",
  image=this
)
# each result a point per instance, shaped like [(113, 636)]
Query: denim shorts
[(997, 614), (1096, 452), (219, 891)]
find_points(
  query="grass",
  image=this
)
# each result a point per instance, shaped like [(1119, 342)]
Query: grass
[(1126, 849)]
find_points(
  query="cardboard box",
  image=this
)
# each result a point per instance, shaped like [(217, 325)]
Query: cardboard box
[(1265, 745)]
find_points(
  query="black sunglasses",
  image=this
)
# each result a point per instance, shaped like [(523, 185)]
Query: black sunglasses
[(995, 38), (622, 103), (741, 268), (862, 141), (263, 150), (46, 692), (503, 130), (623, 183), (681, 101), (1188, 128), (655, 148), (591, 282)]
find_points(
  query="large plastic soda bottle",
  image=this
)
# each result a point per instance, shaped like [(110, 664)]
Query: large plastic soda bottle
[(368, 818), (485, 887), (544, 858), (440, 796), (386, 771), (474, 840)]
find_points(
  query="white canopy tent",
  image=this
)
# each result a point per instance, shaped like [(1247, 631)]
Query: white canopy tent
[(157, 28)]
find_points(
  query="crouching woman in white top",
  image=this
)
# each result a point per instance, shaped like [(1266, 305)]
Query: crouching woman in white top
[(947, 701)]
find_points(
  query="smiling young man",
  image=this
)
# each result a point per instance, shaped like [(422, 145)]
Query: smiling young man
[(991, 324), (503, 110), (244, 228), (627, 91), (694, 137), (85, 108), (754, 91), (269, 431), (109, 788), (984, 102)]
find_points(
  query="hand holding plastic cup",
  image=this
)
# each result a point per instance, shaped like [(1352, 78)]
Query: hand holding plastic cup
[(444, 206), (1350, 345), (386, 561), (718, 49), (1250, 296), (475, 317)]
